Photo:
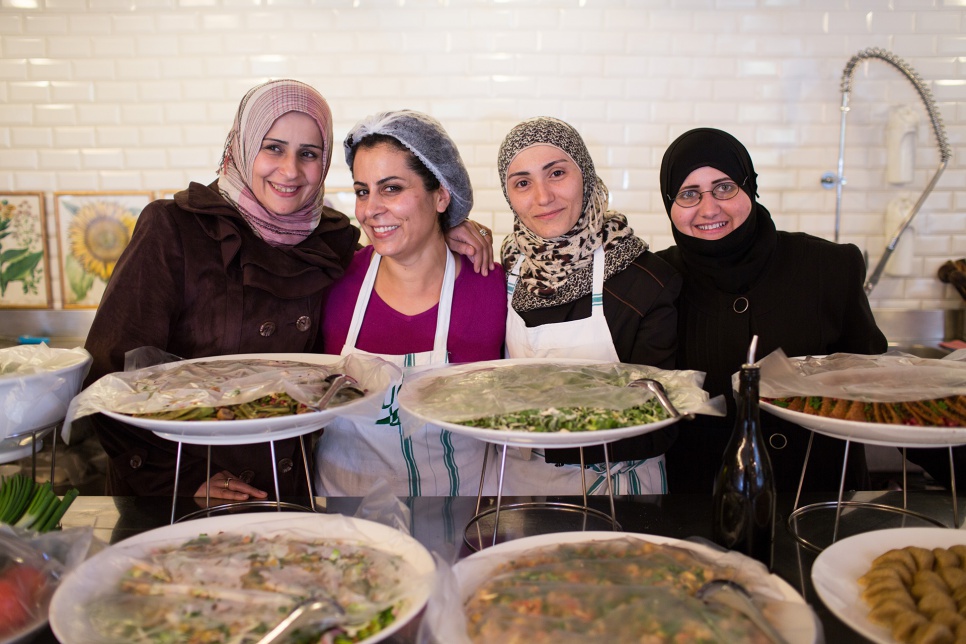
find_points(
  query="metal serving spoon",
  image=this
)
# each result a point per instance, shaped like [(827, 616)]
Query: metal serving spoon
[(735, 596), (319, 614), (660, 393)]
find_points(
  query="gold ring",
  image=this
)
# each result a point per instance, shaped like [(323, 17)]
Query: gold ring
[(484, 232), (228, 483)]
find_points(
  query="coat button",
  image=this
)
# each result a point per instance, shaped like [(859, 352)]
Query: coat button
[(136, 462), (247, 476), (267, 328), (285, 465), (304, 323)]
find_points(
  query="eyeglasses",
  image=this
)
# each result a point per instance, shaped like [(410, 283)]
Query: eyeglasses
[(721, 192)]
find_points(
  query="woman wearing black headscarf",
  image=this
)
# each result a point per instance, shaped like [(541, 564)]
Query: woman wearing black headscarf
[(742, 277)]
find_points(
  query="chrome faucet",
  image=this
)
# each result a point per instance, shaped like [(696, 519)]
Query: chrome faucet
[(937, 126)]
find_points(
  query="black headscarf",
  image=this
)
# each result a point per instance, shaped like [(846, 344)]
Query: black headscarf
[(733, 263)]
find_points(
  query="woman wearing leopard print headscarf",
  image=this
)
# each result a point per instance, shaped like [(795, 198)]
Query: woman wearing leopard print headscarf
[(580, 285)]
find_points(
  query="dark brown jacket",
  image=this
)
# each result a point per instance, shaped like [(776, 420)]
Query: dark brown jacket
[(195, 281)]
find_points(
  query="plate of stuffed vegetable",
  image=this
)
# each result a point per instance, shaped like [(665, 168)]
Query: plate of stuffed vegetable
[(891, 399)]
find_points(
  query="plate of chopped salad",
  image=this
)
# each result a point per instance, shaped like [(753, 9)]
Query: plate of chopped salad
[(547, 403), (609, 587), (233, 578), (238, 399)]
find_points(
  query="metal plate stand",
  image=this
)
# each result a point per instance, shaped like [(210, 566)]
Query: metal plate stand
[(839, 504), (35, 436), (524, 519), (229, 508)]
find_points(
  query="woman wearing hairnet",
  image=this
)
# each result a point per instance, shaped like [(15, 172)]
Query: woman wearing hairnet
[(581, 285), (237, 266), (411, 301)]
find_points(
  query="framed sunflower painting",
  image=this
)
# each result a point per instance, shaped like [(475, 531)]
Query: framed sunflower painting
[(24, 261), (93, 229)]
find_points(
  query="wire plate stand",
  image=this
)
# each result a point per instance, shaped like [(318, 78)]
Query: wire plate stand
[(549, 516), (227, 508), (840, 504)]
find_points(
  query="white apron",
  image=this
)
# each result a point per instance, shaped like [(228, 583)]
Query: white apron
[(527, 473), (350, 457)]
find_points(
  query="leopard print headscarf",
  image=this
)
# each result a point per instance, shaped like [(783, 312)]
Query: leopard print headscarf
[(559, 270)]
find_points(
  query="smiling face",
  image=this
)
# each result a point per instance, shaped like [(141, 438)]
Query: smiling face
[(546, 190), (288, 168), (396, 211), (711, 218)]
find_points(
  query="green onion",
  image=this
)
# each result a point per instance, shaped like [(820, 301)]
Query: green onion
[(59, 511)]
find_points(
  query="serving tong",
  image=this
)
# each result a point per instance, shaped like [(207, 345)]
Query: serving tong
[(660, 393), (337, 382)]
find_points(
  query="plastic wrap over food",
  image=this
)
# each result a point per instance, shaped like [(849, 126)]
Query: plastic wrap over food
[(620, 588), (234, 585), (472, 391), (238, 389), (37, 383), (890, 377), (31, 567)]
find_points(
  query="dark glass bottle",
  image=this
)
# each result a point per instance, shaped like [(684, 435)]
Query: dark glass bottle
[(744, 490)]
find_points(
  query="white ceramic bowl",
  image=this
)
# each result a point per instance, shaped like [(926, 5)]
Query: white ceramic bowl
[(33, 401)]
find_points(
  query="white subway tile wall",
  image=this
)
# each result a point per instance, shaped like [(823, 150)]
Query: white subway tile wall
[(139, 95)]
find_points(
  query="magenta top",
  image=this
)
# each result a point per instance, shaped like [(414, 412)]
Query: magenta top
[(477, 320)]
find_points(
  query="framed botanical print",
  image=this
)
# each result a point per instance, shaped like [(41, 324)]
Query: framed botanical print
[(93, 229), (24, 259)]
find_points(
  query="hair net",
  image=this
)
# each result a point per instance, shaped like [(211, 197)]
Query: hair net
[(425, 137)]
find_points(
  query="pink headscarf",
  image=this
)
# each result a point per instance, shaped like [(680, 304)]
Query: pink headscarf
[(258, 111)]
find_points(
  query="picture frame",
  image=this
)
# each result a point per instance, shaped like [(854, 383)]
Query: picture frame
[(93, 229), (24, 254)]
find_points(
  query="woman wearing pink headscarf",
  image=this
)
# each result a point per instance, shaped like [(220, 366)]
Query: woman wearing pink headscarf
[(237, 266)]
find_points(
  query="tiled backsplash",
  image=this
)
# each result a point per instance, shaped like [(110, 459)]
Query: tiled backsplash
[(138, 95)]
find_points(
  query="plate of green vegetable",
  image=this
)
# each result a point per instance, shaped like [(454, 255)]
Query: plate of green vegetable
[(547, 403)]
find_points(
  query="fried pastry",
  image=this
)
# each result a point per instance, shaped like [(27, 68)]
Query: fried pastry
[(919, 594)]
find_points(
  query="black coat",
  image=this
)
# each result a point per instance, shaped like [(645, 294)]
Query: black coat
[(808, 301), (639, 306)]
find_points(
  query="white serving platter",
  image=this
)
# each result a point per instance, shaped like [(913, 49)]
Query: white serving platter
[(797, 626), (521, 438), (259, 430), (873, 433), (100, 575), (837, 569)]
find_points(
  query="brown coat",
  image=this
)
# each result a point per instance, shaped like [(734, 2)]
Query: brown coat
[(195, 281)]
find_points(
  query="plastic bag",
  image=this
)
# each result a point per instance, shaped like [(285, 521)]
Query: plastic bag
[(31, 567), (890, 377), (36, 385), (231, 380), (472, 391)]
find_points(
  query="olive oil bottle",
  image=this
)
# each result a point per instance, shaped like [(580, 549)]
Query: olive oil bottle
[(744, 490)]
